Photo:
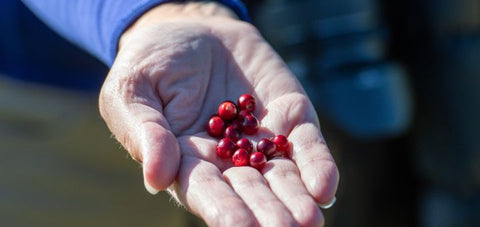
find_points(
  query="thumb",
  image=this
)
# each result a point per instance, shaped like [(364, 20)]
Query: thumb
[(136, 120), (160, 156)]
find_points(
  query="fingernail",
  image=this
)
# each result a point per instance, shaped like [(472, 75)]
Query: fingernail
[(329, 204), (149, 188)]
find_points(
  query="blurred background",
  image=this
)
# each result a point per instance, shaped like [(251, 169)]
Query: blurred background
[(395, 84)]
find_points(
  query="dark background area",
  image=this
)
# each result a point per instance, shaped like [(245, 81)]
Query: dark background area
[(395, 84), (396, 87)]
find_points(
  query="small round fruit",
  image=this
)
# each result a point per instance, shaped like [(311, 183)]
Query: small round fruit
[(242, 114), (225, 148), (215, 126), (250, 124), (281, 142), (236, 124), (266, 146), (245, 144), (241, 157), (232, 133), (258, 160), (227, 110), (246, 102)]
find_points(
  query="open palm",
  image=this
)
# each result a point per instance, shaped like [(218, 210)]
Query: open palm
[(167, 81)]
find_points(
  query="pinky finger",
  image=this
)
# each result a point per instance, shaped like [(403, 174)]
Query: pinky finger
[(317, 167)]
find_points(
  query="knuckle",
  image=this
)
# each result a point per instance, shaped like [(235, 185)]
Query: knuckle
[(244, 177), (282, 169), (225, 216)]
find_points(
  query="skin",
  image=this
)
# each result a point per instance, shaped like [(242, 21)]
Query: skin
[(174, 66)]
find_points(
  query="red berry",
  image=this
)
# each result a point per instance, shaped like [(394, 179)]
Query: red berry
[(258, 160), (215, 126), (245, 144), (225, 148), (237, 124), (232, 133), (266, 146), (227, 111), (250, 124), (242, 114), (246, 102), (241, 157), (281, 142)]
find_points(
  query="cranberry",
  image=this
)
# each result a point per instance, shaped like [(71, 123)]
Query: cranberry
[(281, 142), (242, 114), (232, 133), (215, 126), (246, 102), (237, 124), (258, 160), (250, 124), (227, 111), (225, 148), (241, 157), (266, 146), (245, 144)]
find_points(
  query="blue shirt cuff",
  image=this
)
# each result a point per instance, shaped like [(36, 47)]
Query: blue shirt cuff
[(237, 6), (96, 25)]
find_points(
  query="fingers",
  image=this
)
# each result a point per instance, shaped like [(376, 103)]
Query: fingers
[(203, 190), (317, 167), (132, 112), (250, 185), (284, 180), (309, 151)]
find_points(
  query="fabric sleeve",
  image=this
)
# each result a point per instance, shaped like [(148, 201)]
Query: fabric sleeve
[(96, 25)]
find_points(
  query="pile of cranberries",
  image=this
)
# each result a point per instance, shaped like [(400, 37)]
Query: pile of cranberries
[(228, 125)]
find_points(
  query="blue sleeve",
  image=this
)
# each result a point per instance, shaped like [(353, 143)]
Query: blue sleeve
[(96, 25)]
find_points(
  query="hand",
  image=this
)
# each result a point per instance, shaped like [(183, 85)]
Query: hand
[(175, 65)]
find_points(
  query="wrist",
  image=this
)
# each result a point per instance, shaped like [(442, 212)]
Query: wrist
[(177, 12)]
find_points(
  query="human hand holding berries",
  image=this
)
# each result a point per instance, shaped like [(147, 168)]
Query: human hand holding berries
[(174, 66)]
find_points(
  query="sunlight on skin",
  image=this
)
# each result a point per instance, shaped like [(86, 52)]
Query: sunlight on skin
[(171, 73)]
